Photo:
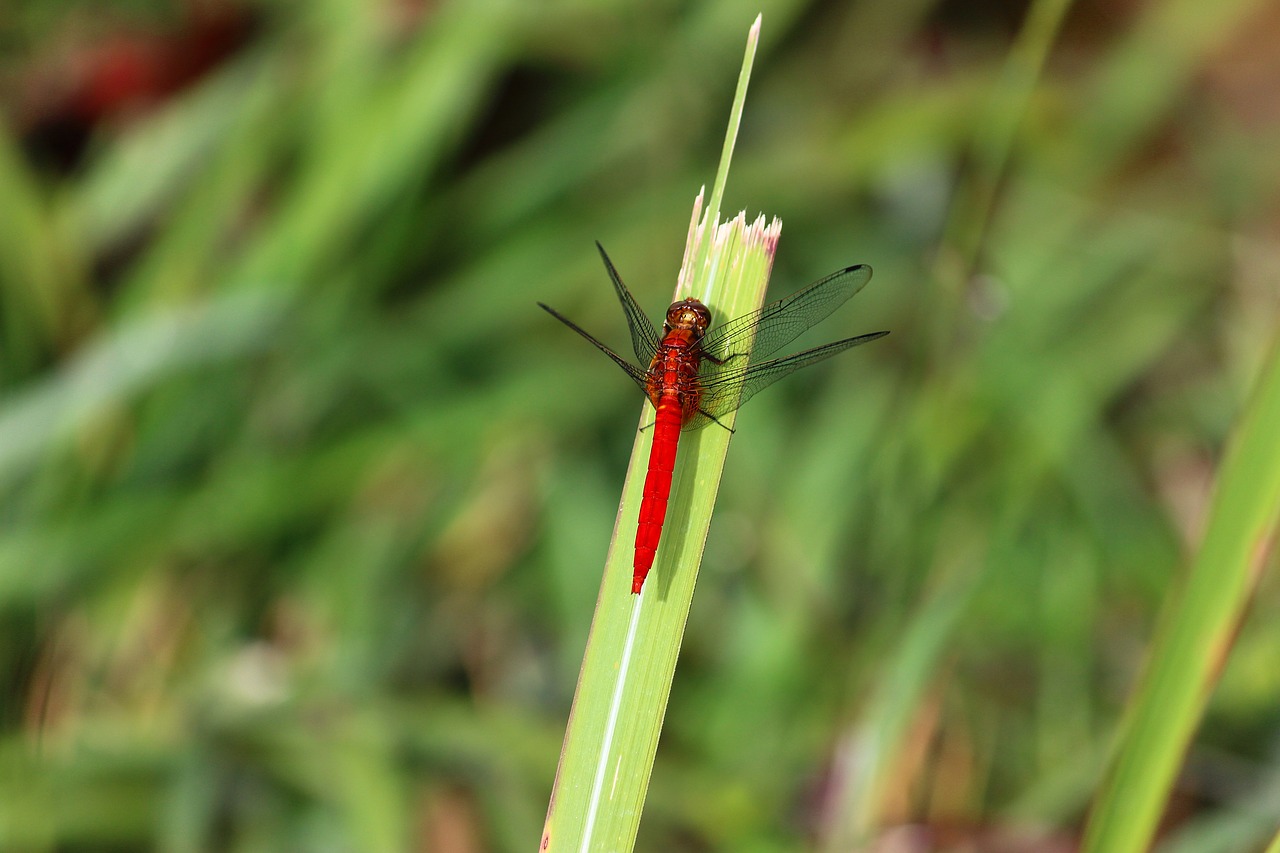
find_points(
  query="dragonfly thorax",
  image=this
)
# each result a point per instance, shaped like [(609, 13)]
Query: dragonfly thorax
[(694, 377), (688, 315)]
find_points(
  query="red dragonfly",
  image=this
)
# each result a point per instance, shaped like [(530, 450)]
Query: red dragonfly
[(694, 377)]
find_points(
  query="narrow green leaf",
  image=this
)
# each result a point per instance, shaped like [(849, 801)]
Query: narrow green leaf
[(1197, 630), (631, 652)]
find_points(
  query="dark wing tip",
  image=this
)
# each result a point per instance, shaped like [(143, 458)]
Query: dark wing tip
[(554, 313), (854, 268), (608, 264)]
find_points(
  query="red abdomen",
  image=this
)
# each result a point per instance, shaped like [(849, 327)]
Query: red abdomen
[(673, 389), (657, 487)]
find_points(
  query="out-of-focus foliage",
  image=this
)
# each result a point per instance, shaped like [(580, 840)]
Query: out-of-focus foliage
[(303, 502)]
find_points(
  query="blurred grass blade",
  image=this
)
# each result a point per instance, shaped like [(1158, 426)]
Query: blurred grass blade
[(875, 745), (125, 362), (1197, 630), (996, 134), (1141, 79), (41, 272), (364, 159), (631, 653)]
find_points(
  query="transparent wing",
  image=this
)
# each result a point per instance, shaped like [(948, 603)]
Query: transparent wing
[(637, 374), (729, 386), (779, 323), (644, 337)]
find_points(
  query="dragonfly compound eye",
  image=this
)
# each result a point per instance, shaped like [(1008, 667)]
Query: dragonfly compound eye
[(689, 314), (682, 371)]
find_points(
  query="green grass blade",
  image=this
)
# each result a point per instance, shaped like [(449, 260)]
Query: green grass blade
[(735, 119), (631, 653), (634, 642), (41, 273), (1198, 629), (996, 135)]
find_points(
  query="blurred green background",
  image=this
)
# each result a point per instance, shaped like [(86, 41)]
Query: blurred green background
[(303, 502)]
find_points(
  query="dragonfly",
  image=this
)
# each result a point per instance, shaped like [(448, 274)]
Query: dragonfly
[(694, 374)]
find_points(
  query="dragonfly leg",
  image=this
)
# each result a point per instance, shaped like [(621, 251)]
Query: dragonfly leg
[(721, 361), (707, 414)]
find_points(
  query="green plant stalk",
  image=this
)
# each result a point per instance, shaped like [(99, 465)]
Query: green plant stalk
[(995, 135), (1197, 631), (631, 653)]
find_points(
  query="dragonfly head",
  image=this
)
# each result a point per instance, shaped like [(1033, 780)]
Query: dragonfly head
[(688, 315)]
